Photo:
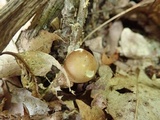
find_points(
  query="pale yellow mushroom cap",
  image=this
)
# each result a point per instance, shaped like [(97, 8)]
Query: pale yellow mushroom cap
[(81, 66)]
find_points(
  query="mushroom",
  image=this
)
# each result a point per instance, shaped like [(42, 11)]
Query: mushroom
[(81, 66)]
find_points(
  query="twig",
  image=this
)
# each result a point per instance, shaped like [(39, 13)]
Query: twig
[(45, 16)]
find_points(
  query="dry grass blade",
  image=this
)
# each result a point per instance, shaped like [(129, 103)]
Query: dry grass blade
[(119, 15)]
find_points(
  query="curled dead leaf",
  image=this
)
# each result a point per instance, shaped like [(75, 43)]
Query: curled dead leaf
[(39, 63)]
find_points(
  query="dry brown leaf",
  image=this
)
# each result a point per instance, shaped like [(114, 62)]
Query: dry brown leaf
[(8, 66), (88, 113), (42, 42), (28, 79), (121, 106), (107, 60), (34, 105), (127, 97), (100, 84), (133, 97), (40, 63), (7, 63), (99, 88)]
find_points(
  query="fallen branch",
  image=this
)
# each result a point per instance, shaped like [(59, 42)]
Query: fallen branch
[(14, 15)]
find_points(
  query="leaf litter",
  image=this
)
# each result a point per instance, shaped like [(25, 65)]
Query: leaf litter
[(126, 86)]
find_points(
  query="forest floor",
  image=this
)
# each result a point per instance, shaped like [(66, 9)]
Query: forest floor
[(121, 35)]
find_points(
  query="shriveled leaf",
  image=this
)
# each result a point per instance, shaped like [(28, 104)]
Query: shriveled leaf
[(88, 113)]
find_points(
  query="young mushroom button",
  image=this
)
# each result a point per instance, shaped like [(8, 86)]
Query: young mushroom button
[(81, 66)]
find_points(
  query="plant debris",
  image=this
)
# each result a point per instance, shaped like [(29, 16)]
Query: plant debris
[(122, 35)]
